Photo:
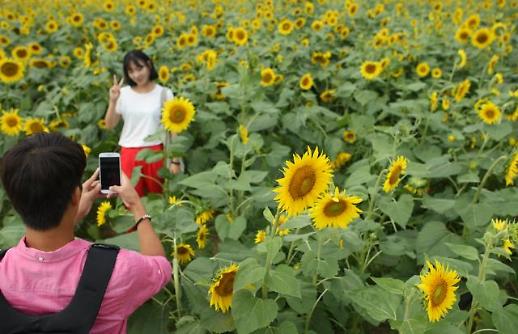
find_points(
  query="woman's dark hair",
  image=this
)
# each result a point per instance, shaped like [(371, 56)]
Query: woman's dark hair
[(138, 57), (40, 175)]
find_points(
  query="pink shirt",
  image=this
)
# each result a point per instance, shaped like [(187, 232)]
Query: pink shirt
[(37, 282)]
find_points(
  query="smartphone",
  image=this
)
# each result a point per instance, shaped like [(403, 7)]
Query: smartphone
[(109, 170)]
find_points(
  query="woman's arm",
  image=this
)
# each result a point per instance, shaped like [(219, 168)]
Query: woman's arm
[(112, 118)]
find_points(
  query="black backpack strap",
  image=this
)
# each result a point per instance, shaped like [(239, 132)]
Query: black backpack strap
[(94, 280), (2, 253)]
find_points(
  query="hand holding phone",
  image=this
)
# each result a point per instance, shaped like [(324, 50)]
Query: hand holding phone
[(109, 171)]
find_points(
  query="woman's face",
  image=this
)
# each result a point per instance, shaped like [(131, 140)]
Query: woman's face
[(139, 72)]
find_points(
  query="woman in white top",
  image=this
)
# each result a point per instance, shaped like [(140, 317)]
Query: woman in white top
[(140, 106)]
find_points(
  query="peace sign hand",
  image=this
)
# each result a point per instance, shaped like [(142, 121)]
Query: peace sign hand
[(115, 90)]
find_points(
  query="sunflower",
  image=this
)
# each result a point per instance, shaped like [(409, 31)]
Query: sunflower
[(317, 25), (101, 212), (240, 36), (76, 19), (260, 236), (285, 27), (11, 70), (39, 63), (10, 122), (222, 288), (158, 30), (86, 149), (499, 224), (462, 58), (349, 136), (507, 246), (492, 63), (177, 114), (267, 77), (490, 113), (34, 125), (436, 73), (335, 210), (20, 53), (462, 35), (396, 169), (163, 74), (462, 89), (306, 81), (208, 31), (184, 253), (181, 42), (482, 38), (201, 236), (472, 22), (243, 133), (303, 181), (370, 69), (422, 69), (51, 26), (341, 159), (328, 95), (438, 286), (512, 170), (204, 216)]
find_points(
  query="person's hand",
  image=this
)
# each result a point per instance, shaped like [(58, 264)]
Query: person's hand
[(175, 167), (115, 90), (91, 192), (127, 193)]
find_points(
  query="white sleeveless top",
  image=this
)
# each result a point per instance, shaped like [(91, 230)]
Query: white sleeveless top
[(141, 113)]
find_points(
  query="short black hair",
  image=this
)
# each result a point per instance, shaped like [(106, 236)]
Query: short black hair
[(40, 175), (138, 57)]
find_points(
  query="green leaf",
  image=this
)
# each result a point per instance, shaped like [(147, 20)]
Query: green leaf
[(283, 281), (298, 222), (200, 180), (270, 246), (365, 96), (378, 303), (250, 272), (439, 205), (268, 215), (506, 320), (251, 313), (391, 285), (487, 293), (399, 211), (308, 297), (200, 269), (149, 318), (463, 268), (467, 252), (431, 238), (230, 230)]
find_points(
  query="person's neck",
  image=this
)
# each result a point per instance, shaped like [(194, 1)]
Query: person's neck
[(144, 88), (50, 240)]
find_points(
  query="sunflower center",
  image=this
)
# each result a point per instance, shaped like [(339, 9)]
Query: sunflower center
[(22, 53), (240, 35), (36, 127), (370, 68), (267, 77), (490, 113), (464, 35), (177, 115), (286, 26), (302, 182), (394, 176), (333, 209), (9, 69), (226, 284), (12, 122), (439, 293), (305, 82), (182, 251), (482, 38)]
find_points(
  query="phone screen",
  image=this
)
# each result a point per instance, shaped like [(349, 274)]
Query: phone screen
[(110, 172)]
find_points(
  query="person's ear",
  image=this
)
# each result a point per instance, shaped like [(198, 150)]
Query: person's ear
[(76, 195)]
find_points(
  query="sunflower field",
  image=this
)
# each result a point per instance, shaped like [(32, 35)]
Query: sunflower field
[(351, 166)]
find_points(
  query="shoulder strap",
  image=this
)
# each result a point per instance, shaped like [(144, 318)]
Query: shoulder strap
[(2, 253)]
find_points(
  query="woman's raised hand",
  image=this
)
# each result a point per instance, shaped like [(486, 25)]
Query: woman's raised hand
[(115, 90)]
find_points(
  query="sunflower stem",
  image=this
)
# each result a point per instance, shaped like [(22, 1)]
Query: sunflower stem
[(370, 211), (319, 248), (268, 264), (176, 278), (481, 277), (486, 176), (308, 319)]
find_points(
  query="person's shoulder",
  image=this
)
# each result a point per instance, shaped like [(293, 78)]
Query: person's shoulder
[(160, 88)]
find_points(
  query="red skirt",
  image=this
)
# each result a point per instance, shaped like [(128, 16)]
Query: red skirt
[(149, 182)]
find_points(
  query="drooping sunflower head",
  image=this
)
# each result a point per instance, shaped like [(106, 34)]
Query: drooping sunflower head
[(438, 287), (102, 210), (328, 95), (490, 113), (260, 236), (201, 236), (512, 171), (371, 69), (304, 180), (222, 288), (463, 58), (243, 133), (11, 122), (204, 216), (306, 81), (396, 169), (335, 210), (11, 70), (34, 125), (267, 77), (184, 253), (482, 38), (177, 114)]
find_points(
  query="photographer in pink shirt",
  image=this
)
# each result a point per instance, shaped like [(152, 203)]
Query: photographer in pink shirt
[(42, 178)]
